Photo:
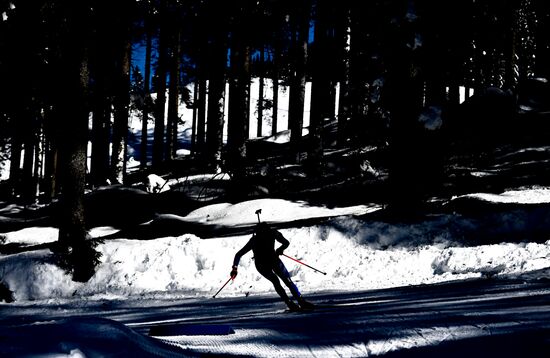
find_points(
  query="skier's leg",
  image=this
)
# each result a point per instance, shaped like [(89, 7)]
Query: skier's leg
[(266, 272), (282, 272)]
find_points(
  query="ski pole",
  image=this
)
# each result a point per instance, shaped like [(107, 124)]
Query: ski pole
[(300, 262), (225, 284)]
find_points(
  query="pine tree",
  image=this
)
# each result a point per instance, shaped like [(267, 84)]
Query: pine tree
[(147, 105), (239, 80), (160, 86), (174, 86), (343, 36), (72, 40), (121, 98), (261, 85), (102, 58), (217, 60), (300, 26), (321, 86), (276, 79), (542, 40), (403, 95)]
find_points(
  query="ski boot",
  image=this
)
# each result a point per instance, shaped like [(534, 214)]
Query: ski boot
[(292, 307), (305, 305)]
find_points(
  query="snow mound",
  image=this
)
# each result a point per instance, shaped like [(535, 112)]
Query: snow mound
[(489, 260), (273, 211), (33, 275)]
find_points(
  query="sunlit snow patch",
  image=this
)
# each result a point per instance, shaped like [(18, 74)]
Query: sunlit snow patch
[(273, 211), (32, 236), (539, 195), (261, 343)]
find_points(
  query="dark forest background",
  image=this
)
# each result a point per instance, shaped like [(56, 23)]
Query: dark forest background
[(400, 136)]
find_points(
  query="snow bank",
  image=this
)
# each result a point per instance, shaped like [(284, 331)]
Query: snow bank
[(190, 266), (33, 275), (355, 254)]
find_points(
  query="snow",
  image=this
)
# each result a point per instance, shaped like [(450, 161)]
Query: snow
[(155, 184), (521, 196), (357, 256), (4, 170), (189, 265), (32, 236), (273, 210)]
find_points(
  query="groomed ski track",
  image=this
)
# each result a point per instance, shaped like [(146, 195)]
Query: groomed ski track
[(478, 318), (489, 317)]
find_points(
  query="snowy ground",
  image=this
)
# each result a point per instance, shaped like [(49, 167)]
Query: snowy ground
[(479, 318), (401, 288)]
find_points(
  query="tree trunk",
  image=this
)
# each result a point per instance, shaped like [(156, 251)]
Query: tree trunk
[(361, 64), (158, 145), (147, 90), (238, 125), (195, 113), (173, 100), (201, 113), (30, 144), (344, 109), (15, 167), (404, 91), (121, 112), (261, 93), (321, 88), (216, 101), (72, 105), (512, 71), (454, 93), (103, 61), (542, 40), (298, 78), (39, 158), (275, 102), (50, 186), (50, 172), (101, 128)]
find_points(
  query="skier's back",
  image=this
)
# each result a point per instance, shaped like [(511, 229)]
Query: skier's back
[(268, 263)]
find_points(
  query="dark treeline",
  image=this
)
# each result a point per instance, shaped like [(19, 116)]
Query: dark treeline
[(69, 76)]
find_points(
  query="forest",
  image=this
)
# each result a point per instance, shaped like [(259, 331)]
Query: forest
[(406, 98)]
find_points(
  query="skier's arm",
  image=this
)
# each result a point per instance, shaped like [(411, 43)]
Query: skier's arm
[(284, 243), (241, 252), (237, 258)]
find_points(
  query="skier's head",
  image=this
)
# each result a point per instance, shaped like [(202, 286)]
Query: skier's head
[(261, 228)]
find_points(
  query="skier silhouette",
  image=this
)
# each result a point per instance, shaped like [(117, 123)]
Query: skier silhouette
[(269, 265)]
